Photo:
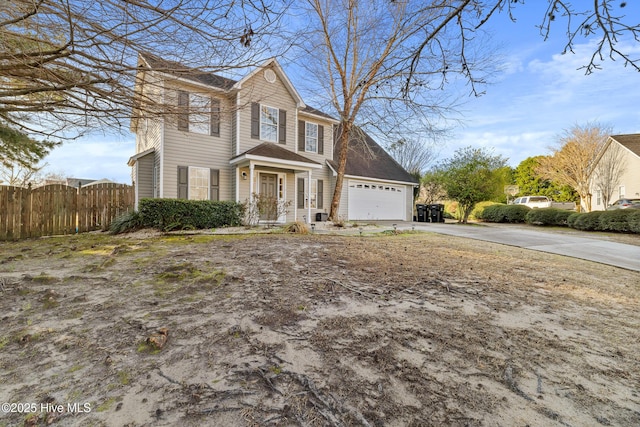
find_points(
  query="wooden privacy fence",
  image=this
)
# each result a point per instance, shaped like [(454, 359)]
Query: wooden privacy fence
[(60, 209)]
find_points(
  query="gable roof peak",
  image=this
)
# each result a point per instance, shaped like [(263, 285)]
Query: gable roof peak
[(273, 64)]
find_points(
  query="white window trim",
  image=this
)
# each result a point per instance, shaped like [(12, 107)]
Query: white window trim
[(307, 138), (193, 176), (277, 123), (199, 114), (307, 196)]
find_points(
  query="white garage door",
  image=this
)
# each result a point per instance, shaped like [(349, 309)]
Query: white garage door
[(376, 201)]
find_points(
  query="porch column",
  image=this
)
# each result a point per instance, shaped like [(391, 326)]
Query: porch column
[(251, 190), (309, 197)]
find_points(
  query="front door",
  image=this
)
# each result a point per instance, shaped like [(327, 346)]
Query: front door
[(268, 197)]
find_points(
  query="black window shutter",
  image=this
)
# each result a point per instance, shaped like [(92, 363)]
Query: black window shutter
[(301, 193), (215, 185), (282, 123), (183, 182), (215, 117), (183, 110), (319, 188), (255, 120), (302, 134), (320, 139)]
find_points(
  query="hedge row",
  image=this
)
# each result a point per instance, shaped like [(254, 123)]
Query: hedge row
[(548, 216), (504, 213), (622, 220), (179, 214)]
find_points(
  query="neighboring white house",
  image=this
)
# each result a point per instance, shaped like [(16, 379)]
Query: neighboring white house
[(230, 139), (628, 184)]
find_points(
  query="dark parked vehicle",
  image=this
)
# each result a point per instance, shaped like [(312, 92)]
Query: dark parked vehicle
[(624, 204)]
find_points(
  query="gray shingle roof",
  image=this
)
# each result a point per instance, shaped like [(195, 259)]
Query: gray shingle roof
[(182, 71), (631, 141), (275, 151), (368, 159), (317, 112)]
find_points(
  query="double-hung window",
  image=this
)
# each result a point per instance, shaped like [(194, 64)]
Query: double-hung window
[(198, 114), (198, 183), (310, 197), (268, 123), (311, 137)]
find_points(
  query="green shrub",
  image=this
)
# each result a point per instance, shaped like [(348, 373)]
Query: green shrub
[(179, 214), (478, 208), (571, 219), (616, 220), (130, 221), (504, 213), (634, 221), (588, 221), (548, 216)]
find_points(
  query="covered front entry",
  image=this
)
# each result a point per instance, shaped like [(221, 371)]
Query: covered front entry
[(269, 169), (376, 201), (268, 190)]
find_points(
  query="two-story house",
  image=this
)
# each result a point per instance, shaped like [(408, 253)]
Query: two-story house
[(623, 149), (226, 140)]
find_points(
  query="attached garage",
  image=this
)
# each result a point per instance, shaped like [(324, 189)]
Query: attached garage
[(377, 201)]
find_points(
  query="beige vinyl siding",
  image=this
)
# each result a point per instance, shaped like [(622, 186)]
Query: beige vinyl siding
[(630, 179), (182, 148), (144, 166), (275, 95), (328, 140), (148, 135)]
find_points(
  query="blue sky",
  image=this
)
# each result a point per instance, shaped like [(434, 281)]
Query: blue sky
[(538, 94)]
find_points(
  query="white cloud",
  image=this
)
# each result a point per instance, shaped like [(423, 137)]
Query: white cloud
[(92, 160)]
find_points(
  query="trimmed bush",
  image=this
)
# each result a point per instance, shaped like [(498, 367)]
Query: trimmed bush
[(478, 208), (588, 221), (504, 213), (634, 221), (179, 214), (548, 216), (618, 220)]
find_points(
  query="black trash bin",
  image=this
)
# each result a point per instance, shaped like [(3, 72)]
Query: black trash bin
[(436, 213), (422, 213)]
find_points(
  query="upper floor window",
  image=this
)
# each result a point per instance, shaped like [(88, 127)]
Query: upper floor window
[(268, 123), (198, 114), (311, 137)]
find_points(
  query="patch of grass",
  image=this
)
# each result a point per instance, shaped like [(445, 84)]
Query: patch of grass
[(49, 303), (74, 368), (145, 347), (106, 405), (276, 369), (123, 377), (44, 278), (74, 314), (3, 342)]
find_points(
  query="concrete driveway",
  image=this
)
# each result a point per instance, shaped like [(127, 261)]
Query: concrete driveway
[(583, 245)]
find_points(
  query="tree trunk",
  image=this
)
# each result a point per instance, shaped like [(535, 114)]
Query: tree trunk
[(342, 164)]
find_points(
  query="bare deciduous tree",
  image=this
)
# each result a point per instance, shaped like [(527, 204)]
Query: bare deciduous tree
[(69, 66), (412, 154), (573, 160), (610, 167), (381, 56)]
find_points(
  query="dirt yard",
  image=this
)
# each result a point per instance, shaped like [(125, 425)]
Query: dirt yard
[(316, 330)]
